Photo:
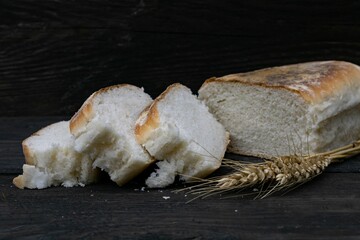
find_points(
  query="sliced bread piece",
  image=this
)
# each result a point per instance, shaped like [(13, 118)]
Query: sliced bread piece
[(296, 109), (178, 129), (104, 128), (51, 160)]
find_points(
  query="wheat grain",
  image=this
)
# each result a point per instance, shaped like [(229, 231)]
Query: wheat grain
[(279, 173)]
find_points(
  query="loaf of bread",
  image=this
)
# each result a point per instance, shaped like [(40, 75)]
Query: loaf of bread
[(296, 109), (51, 160), (178, 130), (104, 129)]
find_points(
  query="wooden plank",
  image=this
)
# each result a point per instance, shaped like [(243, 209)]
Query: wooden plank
[(52, 72), (67, 14), (256, 18), (55, 54), (326, 208), (260, 18), (11, 157)]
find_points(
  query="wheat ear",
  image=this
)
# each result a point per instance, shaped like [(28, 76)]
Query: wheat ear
[(275, 174)]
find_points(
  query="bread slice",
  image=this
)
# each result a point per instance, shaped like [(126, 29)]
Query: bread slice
[(178, 129), (51, 160), (104, 129), (296, 109)]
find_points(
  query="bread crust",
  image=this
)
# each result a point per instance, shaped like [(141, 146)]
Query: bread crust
[(29, 158), (86, 112), (83, 116), (19, 182), (149, 119), (313, 81)]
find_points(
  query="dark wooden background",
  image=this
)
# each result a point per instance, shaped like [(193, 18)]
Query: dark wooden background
[(55, 53)]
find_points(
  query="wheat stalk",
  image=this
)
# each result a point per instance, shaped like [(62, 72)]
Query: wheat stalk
[(275, 174)]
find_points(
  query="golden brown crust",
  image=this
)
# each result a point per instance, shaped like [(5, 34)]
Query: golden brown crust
[(19, 182), (83, 116), (314, 81), (29, 157), (149, 119), (86, 112)]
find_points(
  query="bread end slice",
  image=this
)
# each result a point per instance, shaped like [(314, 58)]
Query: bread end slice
[(51, 160)]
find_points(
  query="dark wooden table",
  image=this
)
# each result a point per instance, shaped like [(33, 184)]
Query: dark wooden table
[(55, 53), (325, 208)]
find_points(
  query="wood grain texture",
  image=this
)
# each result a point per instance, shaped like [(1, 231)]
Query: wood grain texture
[(107, 211), (54, 54)]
